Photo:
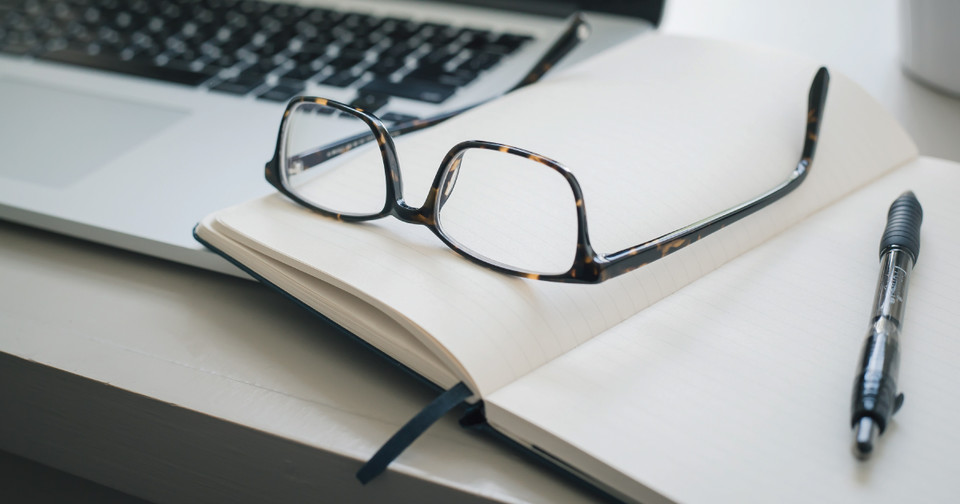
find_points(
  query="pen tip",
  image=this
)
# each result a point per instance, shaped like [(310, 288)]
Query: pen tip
[(865, 434)]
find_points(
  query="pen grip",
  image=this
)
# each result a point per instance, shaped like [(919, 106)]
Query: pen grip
[(903, 226)]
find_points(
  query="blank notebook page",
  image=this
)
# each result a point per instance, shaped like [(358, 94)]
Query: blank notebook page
[(737, 388)]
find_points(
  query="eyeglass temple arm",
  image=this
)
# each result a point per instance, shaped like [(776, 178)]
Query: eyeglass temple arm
[(632, 258), (577, 30)]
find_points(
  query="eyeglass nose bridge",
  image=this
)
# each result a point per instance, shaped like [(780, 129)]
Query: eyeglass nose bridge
[(436, 197), (444, 180), (426, 214), (452, 172)]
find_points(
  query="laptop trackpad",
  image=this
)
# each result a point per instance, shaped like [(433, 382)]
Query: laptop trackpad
[(55, 136)]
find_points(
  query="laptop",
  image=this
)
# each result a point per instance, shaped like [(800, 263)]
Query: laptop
[(125, 122)]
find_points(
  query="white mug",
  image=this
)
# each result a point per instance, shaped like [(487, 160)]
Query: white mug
[(930, 42)]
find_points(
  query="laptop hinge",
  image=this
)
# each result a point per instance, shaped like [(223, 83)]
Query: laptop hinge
[(650, 10)]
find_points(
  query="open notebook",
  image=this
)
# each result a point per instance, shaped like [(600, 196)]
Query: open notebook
[(721, 373)]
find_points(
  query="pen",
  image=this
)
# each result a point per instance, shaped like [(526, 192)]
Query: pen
[(875, 395)]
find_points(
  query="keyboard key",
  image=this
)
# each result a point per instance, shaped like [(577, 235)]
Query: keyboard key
[(188, 56), (457, 78), (300, 73), (477, 42), (237, 86), (358, 46), (471, 34), (345, 62), (227, 60), (282, 92), (386, 66), (267, 49), (316, 45), (287, 12), (394, 117), (411, 88), (370, 102), (482, 61), (402, 31), (306, 57), (193, 66), (262, 67), (437, 57), (341, 79), (443, 38), (400, 51), (105, 62)]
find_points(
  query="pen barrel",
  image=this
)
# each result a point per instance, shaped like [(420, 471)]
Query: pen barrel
[(875, 389), (890, 300)]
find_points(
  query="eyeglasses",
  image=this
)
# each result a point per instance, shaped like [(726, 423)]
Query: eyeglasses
[(351, 181)]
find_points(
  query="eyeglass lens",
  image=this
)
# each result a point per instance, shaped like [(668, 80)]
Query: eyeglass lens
[(508, 209), (353, 182)]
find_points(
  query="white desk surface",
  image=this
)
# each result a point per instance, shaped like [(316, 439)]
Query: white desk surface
[(237, 365), (856, 37)]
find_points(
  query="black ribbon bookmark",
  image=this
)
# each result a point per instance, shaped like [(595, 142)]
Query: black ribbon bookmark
[(412, 430)]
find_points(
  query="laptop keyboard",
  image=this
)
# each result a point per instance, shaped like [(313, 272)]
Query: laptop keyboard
[(248, 47)]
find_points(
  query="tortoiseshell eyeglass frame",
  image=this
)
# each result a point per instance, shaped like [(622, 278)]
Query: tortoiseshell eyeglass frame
[(588, 265)]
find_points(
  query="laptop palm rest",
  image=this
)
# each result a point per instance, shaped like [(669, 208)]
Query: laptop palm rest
[(71, 133)]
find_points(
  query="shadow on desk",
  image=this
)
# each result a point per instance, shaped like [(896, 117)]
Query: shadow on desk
[(27, 482)]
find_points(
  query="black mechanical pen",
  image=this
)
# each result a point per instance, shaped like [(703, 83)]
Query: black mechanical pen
[(875, 396)]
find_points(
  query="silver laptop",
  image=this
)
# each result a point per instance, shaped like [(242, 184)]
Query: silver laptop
[(126, 121)]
